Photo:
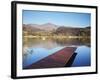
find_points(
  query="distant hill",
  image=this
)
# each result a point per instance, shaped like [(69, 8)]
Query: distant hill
[(68, 30), (31, 28), (48, 27), (64, 30), (72, 31), (36, 27)]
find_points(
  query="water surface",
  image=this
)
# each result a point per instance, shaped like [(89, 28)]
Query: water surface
[(37, 49)]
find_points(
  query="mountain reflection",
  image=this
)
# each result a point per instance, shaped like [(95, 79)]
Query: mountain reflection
[(53, 42)]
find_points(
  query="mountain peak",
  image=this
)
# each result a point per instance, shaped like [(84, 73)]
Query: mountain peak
[(49, 24)]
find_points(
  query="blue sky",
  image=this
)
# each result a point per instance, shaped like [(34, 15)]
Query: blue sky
[(59, 18)]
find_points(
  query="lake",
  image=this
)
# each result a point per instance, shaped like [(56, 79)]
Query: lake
[(40, 48)]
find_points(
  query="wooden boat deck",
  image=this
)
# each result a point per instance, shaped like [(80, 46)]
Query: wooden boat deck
[(58, 59)]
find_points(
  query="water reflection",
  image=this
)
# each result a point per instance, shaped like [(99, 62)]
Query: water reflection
[(83, 58), (51, 43), (37, 49), (35, 54)]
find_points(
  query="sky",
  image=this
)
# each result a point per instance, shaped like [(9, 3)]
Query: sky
[(58, 18)]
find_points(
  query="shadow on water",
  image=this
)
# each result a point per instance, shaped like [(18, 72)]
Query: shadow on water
[(70, 62)]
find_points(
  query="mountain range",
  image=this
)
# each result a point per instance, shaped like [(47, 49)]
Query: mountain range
[(36, 27), (49, 27)]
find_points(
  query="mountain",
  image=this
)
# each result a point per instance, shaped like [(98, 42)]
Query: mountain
[(48, 27), (31, 28), (43, 27), (64, 30), (67, 30), (72, 31)]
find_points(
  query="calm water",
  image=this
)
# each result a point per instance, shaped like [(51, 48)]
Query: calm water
[(37, 49)]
